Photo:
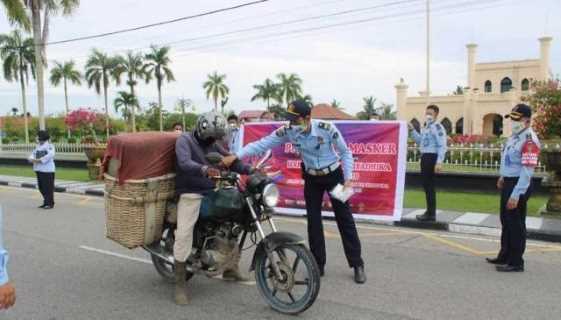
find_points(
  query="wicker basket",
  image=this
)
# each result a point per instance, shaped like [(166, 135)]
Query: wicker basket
[(135, 210)]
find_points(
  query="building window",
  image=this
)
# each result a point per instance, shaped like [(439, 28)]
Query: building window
[(460, 126), (488, 86), (416, 124), (506, 85), (525, 85), (447, 124)]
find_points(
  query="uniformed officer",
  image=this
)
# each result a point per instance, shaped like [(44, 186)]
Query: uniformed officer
[(323, 169), (42, 158), (432, 140), (233, 133), (518, 160)]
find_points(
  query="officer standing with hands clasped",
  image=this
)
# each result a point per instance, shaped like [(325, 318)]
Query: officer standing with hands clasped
[(316, 142), (42, 158), (432, 140), (518, 160)]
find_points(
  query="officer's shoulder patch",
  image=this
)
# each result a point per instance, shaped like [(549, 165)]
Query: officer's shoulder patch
[(335, 135), (438, 126), (324, 125), (281, 132)]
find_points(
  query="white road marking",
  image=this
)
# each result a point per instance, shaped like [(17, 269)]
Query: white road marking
[(114, 254)]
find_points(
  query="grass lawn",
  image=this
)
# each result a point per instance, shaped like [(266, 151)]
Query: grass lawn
[(414, 198), (61, 173), (467, 201)]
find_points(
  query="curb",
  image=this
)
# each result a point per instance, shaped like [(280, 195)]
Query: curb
[(533, 234)]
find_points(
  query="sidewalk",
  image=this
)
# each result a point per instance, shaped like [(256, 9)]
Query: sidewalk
[(460, 222)]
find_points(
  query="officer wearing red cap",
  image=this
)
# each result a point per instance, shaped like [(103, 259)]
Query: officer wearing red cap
[(518, 160)]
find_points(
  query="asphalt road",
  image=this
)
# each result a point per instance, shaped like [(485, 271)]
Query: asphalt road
[(64, 268)]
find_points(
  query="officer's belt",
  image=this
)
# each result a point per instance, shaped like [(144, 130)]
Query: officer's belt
[(324, 171)]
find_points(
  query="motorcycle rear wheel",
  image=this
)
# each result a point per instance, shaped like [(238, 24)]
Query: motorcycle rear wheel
[(167, 270), (290, 257)]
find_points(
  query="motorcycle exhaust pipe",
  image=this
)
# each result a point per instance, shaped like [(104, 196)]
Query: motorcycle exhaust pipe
[(159, 254)]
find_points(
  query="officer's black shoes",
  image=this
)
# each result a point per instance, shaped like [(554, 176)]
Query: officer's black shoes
[(42, 206), (510, 268), (48, 207), (496, 261), (426, 217), (360, 275), (321, 271)]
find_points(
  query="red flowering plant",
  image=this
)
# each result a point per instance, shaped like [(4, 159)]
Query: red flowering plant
[(546, 102), (83, 120)]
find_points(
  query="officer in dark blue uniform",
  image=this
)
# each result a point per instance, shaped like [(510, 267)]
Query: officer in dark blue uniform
[(518, 160), (327, 162)]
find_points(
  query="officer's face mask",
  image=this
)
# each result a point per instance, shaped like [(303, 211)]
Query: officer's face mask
[(429, 118), (517, 126)]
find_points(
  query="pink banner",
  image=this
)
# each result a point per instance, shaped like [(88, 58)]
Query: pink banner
[(379, 150)]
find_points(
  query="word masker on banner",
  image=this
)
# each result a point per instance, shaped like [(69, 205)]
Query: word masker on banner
[(379, 150)]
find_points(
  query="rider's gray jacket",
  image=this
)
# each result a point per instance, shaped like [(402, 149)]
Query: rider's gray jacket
[(191, 160)]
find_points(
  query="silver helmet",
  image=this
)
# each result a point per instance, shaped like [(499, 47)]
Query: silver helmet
[(211, 125)]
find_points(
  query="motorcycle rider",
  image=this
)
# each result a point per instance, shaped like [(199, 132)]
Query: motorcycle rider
[(193, 180)]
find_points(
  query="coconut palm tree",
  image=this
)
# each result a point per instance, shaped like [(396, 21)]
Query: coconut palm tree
[(369, 107), (99, 70), (307, 98), (266, 91), (122, 103), (290, 87), (336, 104), (16, 11), (18, 58), (133, 65), (157, 66), (386, 112), (182, 105), (216, 88), (65, 72)]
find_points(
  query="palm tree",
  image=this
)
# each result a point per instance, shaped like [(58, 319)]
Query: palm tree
[(157, 66), (290, 87), (65, 72), (307, 98), (18, 58), (99, 69), (182, 105), (386, 112), (216, 88), (336, 104), (266, 91), (16, 13), (133, 65), (369, 106), (15, 111), (122, 103)]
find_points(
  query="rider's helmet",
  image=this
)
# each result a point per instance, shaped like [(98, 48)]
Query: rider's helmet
[(211, 125)]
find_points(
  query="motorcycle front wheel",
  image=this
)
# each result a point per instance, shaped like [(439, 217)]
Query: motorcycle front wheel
[(297, 288)]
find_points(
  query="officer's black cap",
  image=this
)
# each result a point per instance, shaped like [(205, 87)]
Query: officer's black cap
[(520, 111), (298, 108), (43, 135)]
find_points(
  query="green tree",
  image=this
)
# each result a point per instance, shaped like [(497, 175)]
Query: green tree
[(182, 105), (336, 104), (122, 102), (386, 112), (368, 109), (99, 70), (18, 58), (290, 88), (65, 72), (157, 66), (39, 9), (267, 91), (307, 98), (459, 91), (216, 88), (133, 65)]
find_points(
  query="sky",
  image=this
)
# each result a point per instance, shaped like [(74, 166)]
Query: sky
[(377, 43)]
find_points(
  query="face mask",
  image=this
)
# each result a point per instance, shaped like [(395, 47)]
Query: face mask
[(298, 128), (516, 126), (233, 126), (429, 118)]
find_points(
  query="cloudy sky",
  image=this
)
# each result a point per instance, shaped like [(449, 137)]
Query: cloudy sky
[(376, 43)]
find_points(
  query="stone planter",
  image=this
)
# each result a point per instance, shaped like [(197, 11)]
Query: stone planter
[(552, 160), (95, 153)]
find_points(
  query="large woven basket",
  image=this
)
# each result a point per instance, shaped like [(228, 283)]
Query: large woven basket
[(135, 209)]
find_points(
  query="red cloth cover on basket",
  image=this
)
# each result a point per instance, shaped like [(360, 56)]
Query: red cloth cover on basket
[(142, 155)]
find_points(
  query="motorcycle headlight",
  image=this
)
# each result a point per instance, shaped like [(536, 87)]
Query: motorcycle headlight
[(271, 195)]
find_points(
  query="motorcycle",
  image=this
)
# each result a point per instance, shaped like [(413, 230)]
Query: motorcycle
[(286, 273)]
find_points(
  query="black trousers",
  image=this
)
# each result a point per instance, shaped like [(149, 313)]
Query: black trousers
[(513, 235), (428, 161), (46, 184), (314, 190)]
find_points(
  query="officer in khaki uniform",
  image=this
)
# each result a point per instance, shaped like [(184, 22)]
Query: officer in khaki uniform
[(326, 162), (518, 160)]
